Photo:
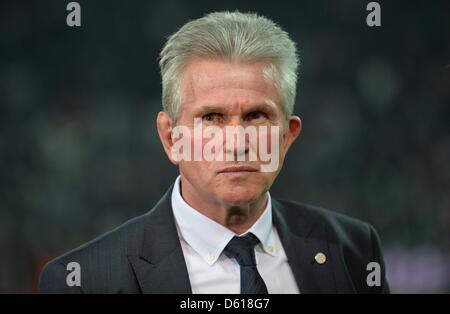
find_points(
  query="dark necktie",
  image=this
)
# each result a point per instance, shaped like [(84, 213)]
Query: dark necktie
[(242, 249)]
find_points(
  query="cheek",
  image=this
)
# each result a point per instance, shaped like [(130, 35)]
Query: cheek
[(196, 168), (271, 140)]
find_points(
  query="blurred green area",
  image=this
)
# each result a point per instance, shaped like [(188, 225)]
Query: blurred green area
[(79, 153)]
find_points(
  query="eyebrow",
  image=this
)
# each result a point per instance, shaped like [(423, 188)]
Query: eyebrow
[(209, 108), (271, 106)]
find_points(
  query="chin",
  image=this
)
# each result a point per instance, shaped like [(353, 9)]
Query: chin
[(240, 196)]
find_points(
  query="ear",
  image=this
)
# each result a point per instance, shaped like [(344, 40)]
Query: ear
[(164, 125), (291, 134)]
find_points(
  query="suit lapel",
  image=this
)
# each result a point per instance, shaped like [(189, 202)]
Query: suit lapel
[(301, 244), (160, 266)]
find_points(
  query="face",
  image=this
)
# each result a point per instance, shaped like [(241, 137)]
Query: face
[(222, 94)]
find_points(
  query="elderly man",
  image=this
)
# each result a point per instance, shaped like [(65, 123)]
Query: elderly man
[(229, 85)]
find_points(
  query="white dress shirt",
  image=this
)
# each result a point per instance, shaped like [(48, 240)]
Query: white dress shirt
[(203, 240)]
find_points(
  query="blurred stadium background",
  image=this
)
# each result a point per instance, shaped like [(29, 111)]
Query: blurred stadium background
[(79, 153)]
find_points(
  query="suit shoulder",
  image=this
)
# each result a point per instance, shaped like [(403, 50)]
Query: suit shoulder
[(121, 238), (355, 241), (97, 260), (338, 224)]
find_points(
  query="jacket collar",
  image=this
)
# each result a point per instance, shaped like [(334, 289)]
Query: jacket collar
[(303, 237), (160, 266)]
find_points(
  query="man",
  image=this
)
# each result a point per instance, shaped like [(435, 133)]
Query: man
[(229, 84)]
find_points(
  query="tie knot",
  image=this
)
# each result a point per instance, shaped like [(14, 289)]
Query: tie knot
[(242, 249)]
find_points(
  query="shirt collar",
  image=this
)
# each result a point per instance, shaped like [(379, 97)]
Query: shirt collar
[(193, 226)]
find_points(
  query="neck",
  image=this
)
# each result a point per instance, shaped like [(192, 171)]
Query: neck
[(237, 218)]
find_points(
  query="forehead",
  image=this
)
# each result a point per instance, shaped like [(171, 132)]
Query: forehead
[(212, 81)]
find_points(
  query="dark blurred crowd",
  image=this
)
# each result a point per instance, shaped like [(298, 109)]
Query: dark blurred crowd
[(79, 153)]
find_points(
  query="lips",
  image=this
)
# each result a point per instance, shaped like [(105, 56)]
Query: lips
[(237, 169)]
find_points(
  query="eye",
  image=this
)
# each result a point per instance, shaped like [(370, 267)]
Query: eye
[(212, 117), (255, 115)]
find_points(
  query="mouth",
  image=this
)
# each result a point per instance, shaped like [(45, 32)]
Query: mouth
[(238, 169)]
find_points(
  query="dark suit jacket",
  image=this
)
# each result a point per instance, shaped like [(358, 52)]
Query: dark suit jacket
[(144, 255)]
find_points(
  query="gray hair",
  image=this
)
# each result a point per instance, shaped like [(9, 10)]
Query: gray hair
[(234, 36)]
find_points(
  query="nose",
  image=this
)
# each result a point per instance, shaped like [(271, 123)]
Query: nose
[(236, 143)]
